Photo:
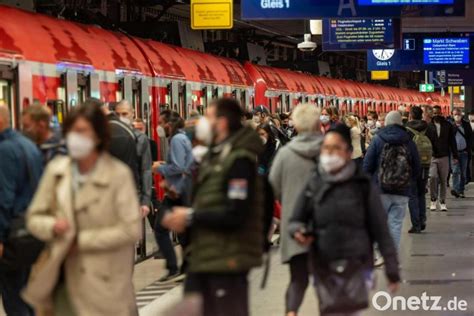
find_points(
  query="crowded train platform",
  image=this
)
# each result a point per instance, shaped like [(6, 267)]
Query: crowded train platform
[(236, 157)]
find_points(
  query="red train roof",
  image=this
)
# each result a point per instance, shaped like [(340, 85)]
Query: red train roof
[(45, 39)]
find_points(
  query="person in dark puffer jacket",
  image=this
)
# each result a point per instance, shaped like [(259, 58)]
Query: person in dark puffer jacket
[(343, 228)]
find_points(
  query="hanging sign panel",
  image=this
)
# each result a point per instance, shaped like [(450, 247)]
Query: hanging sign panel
[(211, 14), (317, 9), (360, 34), (404, 2)]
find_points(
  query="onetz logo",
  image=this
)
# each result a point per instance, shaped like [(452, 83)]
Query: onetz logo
[(274, 4), (383, 301)]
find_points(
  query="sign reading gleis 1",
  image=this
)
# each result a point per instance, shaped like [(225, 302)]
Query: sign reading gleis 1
[(212, 14)]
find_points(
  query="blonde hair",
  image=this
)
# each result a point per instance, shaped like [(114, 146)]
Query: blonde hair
[(352, 120), (306, 117)]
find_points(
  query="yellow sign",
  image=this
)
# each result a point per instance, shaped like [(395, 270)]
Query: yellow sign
[(379, 75), (211, 14), (456, 89)]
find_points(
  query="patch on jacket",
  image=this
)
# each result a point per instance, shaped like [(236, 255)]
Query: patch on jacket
[(237, 189)]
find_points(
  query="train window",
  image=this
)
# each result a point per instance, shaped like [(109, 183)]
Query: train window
[(6, 97)]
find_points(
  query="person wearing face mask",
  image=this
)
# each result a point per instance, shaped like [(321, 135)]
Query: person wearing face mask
[(441, 134), (225, 221), (125, 112), (35, 121), (393, 161), (177, 174), (21, 166), (371, 128), (89, 222), (463, 136), (270, 145), (339, 215), (326, 121), (353, 123), (289, 173)]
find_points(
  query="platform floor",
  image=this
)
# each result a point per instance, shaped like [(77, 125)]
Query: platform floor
[(440, 262)]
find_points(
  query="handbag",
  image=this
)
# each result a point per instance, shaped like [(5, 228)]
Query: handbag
[(21, 248), (341, 286)]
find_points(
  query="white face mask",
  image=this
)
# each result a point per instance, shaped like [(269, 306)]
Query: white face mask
[(331, 163), (264, 140), (79, 146), (290, 123), (370, 123), (378, 124), (458, 118), (125, 120), (204, 131), (256, 119), (324, 119), (199, 152)]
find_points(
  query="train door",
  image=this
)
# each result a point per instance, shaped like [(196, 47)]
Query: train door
[(7, 93)]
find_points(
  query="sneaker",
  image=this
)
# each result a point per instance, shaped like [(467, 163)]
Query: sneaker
[(423, 227), (379, 262), (462, 196), (414, 230), (443, 206), (455, 194), (169, 278), (433, 206)]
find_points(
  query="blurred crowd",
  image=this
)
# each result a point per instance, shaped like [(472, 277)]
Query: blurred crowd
[(334, 188)]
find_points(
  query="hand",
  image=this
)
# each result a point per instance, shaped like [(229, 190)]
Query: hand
[(145, 210), (1, 250), (61, 227), (303, 240), (393, 287), (455, 161), (157, 164), (176, 219)]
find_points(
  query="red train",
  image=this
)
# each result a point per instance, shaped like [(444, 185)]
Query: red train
[(61, 63)]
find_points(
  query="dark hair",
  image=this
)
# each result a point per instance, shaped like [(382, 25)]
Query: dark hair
[(230, 110), (437, 107), (174, 119), (373, 114), (266, 127), (248, 115), (416, 113), (38, 113), (91, 111), (345, 133)]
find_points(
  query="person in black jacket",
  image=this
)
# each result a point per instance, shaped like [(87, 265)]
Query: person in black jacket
[(463, 136), (340, 214), (441, 134)]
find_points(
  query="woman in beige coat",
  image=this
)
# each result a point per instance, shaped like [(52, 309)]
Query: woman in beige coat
[(87, 212)]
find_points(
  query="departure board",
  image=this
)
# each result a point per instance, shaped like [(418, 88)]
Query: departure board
[(404, 2), (447, 51), (360, 34)]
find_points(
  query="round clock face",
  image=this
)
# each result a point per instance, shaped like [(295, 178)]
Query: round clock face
[(383, 54)]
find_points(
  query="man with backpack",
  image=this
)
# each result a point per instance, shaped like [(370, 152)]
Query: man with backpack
[(225, 222), (417, 129), (393, 161)]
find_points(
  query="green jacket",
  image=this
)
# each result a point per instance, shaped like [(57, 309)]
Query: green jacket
[(224, 251)]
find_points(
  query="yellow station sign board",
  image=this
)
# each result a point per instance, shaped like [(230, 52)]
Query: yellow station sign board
[(212, 14), (379, 75)]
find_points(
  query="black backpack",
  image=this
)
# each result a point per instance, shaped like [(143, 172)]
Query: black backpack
[(395, 170)]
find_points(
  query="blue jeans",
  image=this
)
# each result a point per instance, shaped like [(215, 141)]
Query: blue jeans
[(11, 283), (395, 206), (459, 172), (417, 203)]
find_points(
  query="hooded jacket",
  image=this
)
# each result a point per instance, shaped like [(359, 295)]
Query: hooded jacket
[(290, 171), (393, 134), (444, 145)]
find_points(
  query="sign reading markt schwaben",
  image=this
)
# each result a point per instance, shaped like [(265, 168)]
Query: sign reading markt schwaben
[(211, 14)]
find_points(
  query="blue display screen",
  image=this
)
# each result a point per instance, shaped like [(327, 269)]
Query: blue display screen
[(446, 51), (360, 34), (425, 52), (404, 2)]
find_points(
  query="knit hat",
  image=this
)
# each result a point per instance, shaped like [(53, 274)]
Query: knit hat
[(393, 118), (343, 131)]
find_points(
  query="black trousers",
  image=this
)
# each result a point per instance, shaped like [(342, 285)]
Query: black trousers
[(299, 279), (222, 294)]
